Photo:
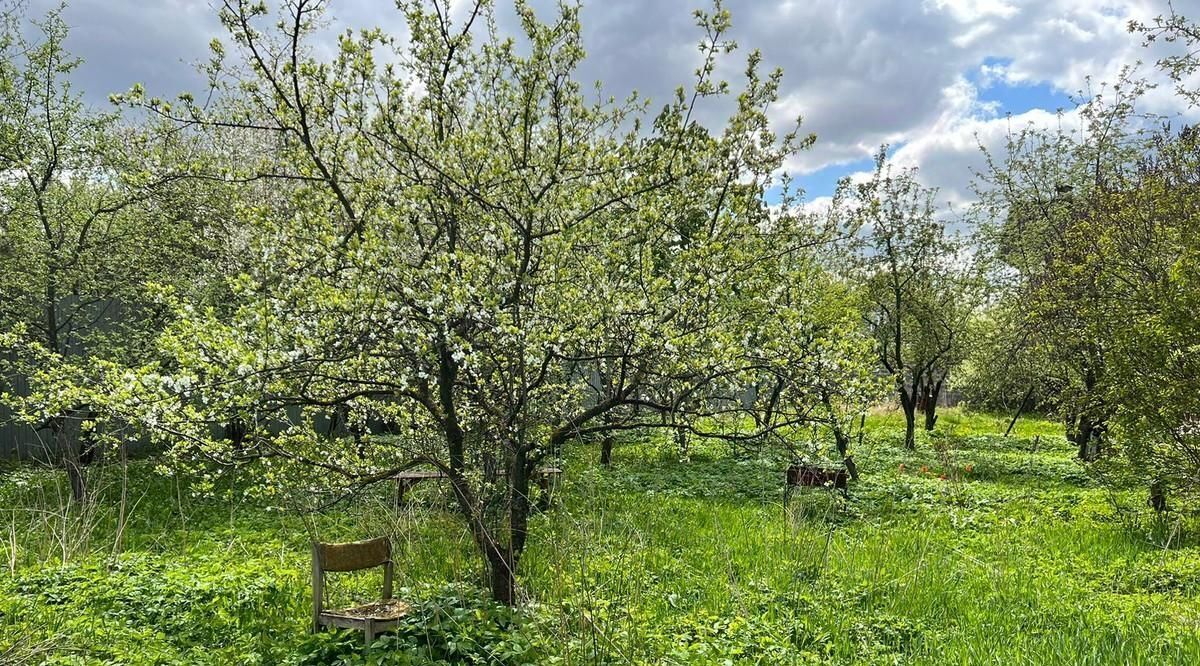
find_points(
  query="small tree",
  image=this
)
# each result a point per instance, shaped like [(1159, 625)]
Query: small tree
[(914, 292), (86, 224), (1045, 202)]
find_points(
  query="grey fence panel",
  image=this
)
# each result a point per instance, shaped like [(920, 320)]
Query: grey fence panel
[(17, 439)]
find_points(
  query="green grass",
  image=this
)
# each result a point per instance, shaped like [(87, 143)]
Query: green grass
[(1021, 559)]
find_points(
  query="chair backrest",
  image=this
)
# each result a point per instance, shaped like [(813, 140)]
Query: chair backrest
[(353, 556)]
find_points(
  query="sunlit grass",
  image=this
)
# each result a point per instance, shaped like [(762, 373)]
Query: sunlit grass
[(1015, 556)]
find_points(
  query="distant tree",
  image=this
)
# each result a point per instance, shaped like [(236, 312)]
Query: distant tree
[(946, 317), (1003, 367), (89, 216), (916, 298), (1044, 199)]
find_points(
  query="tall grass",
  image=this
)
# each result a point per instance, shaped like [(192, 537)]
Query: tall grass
[(1016, 556)]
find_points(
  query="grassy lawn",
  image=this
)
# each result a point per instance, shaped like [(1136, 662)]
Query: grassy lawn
[(1015, 556)]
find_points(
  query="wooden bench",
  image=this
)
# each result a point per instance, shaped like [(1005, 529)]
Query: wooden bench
[(409, 478), (802, 475)]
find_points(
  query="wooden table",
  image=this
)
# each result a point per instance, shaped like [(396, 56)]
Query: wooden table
[(409, 478)]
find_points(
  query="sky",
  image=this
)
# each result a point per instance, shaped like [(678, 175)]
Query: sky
[(933, 79)]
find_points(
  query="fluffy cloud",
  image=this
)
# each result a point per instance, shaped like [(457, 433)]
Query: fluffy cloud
[(910, 73)]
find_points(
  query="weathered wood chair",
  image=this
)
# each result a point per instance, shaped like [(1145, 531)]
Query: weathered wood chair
[(371, 618)]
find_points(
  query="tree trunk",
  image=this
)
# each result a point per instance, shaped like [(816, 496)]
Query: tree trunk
[(1086, 438), (910, 428), (70, 451), (1088, 435), (71, 458), (502, 559), (1158, 497), (235, 432), (501, 574), (842, 440), (931, 402), (908, 403)]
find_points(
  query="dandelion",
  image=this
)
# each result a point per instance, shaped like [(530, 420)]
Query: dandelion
[(924, 469), (969, 468)]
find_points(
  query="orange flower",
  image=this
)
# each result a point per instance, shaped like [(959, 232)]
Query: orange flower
[(969, 468), (924, 469)]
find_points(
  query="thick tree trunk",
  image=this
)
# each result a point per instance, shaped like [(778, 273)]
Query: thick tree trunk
[(72, 460), (1158, 497), (502, 579), (71, 453), (1086, 437), (502, 558)]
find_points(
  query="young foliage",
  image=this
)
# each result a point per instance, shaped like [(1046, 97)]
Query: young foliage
[(467, 248)]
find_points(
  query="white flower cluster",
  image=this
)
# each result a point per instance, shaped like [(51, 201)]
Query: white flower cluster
[(1189, 428)]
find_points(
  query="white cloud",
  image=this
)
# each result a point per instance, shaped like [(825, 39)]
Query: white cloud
[(861, 73), (971, 11)]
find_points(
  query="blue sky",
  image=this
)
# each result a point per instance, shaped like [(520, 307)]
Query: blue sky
[(1016, 98), (996, 97)]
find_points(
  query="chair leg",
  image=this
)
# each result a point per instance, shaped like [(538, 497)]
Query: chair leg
[(543, 503), (318, 589), (369, 630)]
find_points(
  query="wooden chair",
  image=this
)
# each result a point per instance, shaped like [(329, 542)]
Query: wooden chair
[(371, 618)]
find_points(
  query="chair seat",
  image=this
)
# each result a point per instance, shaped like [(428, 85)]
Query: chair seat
[(379, 611)]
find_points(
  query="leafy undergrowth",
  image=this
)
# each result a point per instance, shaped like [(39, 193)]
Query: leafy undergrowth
[(452, 625), (974, 548)]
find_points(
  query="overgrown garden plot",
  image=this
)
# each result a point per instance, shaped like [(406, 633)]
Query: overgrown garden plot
[(1013, 556)]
